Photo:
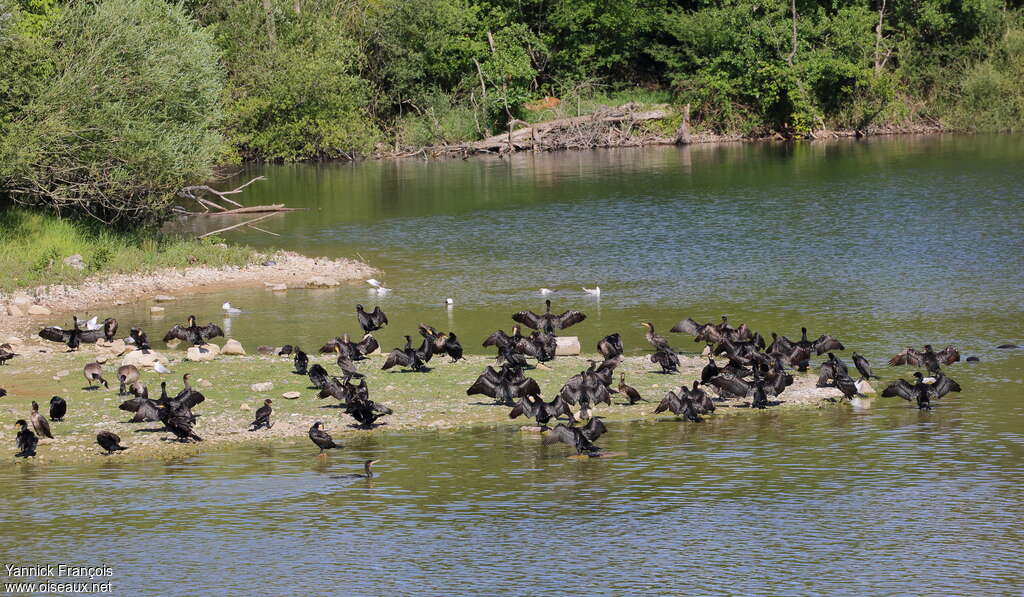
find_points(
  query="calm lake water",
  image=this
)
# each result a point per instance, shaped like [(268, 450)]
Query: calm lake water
[(884, 243)]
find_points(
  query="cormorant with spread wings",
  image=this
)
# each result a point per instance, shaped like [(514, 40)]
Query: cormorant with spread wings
[(548, 321)]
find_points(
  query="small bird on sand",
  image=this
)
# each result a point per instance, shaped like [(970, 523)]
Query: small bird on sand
[(377, 286)]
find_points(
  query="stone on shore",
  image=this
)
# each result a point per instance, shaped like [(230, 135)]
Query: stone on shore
[(14, 311), (265, 386), (322, 282), (141, 359), (75, 261), (164, 298), (567, 346), (864, 387), (13, 341), (232, 347), (117, 347), (23, 300), (156, 310), (38, 310), (291, 395), (206, 352), (275, 287)]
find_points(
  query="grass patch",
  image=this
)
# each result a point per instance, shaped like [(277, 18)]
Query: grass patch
[(34, 245)]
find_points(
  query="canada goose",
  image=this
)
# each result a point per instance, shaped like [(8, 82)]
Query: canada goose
[(93, 373), (26, 440), (126, 375), (927, 358), (72, 338), (109, 442), (263, 416), (548, 321), (371, 321), (58, 408), (321, 438), (39, 423), (197, 335), (581, 438)]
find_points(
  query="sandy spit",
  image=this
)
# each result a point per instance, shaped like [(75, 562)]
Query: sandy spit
[(283, 267)]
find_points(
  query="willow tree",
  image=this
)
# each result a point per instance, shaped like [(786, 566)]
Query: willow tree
[(129, 114)]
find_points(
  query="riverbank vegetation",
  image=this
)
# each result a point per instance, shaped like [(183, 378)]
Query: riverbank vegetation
[(109, 107), (40, 249)]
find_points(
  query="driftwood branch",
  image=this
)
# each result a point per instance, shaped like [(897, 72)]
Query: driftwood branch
[(238, 225), (194, 191)]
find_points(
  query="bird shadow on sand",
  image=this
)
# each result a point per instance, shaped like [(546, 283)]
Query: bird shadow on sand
[(365, 427), (151, 430)]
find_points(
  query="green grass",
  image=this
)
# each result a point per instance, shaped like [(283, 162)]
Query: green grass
[(34, 244)]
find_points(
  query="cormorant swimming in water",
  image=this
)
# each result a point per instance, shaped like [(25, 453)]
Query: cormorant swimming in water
[(917, 391), (366, 474)]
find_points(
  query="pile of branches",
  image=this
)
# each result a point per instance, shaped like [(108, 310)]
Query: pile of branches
[(620, 126)]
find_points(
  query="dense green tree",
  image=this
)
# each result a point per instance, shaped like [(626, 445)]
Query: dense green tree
[(129, 114)]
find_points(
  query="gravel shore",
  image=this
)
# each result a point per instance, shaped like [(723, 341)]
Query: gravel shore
[(435, 400), (22, 311)]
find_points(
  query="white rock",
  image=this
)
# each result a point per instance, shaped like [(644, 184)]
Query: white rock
[(322, 282), (61, 373), (14, 311), (140, 360), (244, 406), (201, 353), (233, 347), (278, 287), (567, 346), (38, 310), (154, 310), (164, 298), (204, 383), (291, 395), (864, 387), (102, 358), (118, 347), (262, 387), (22, 300), (75, 261)]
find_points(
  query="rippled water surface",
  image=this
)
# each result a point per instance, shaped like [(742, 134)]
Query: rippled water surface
[(884, 243)]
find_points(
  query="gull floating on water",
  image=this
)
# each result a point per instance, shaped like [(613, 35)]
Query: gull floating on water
[(377, 286), (159, 367), (546, 291), (449, 302), (229, 309), (596, 290)]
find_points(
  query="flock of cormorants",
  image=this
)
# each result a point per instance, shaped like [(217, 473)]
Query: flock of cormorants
[(752, 369)]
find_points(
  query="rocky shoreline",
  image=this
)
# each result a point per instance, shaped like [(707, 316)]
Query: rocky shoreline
[(24, 310)]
